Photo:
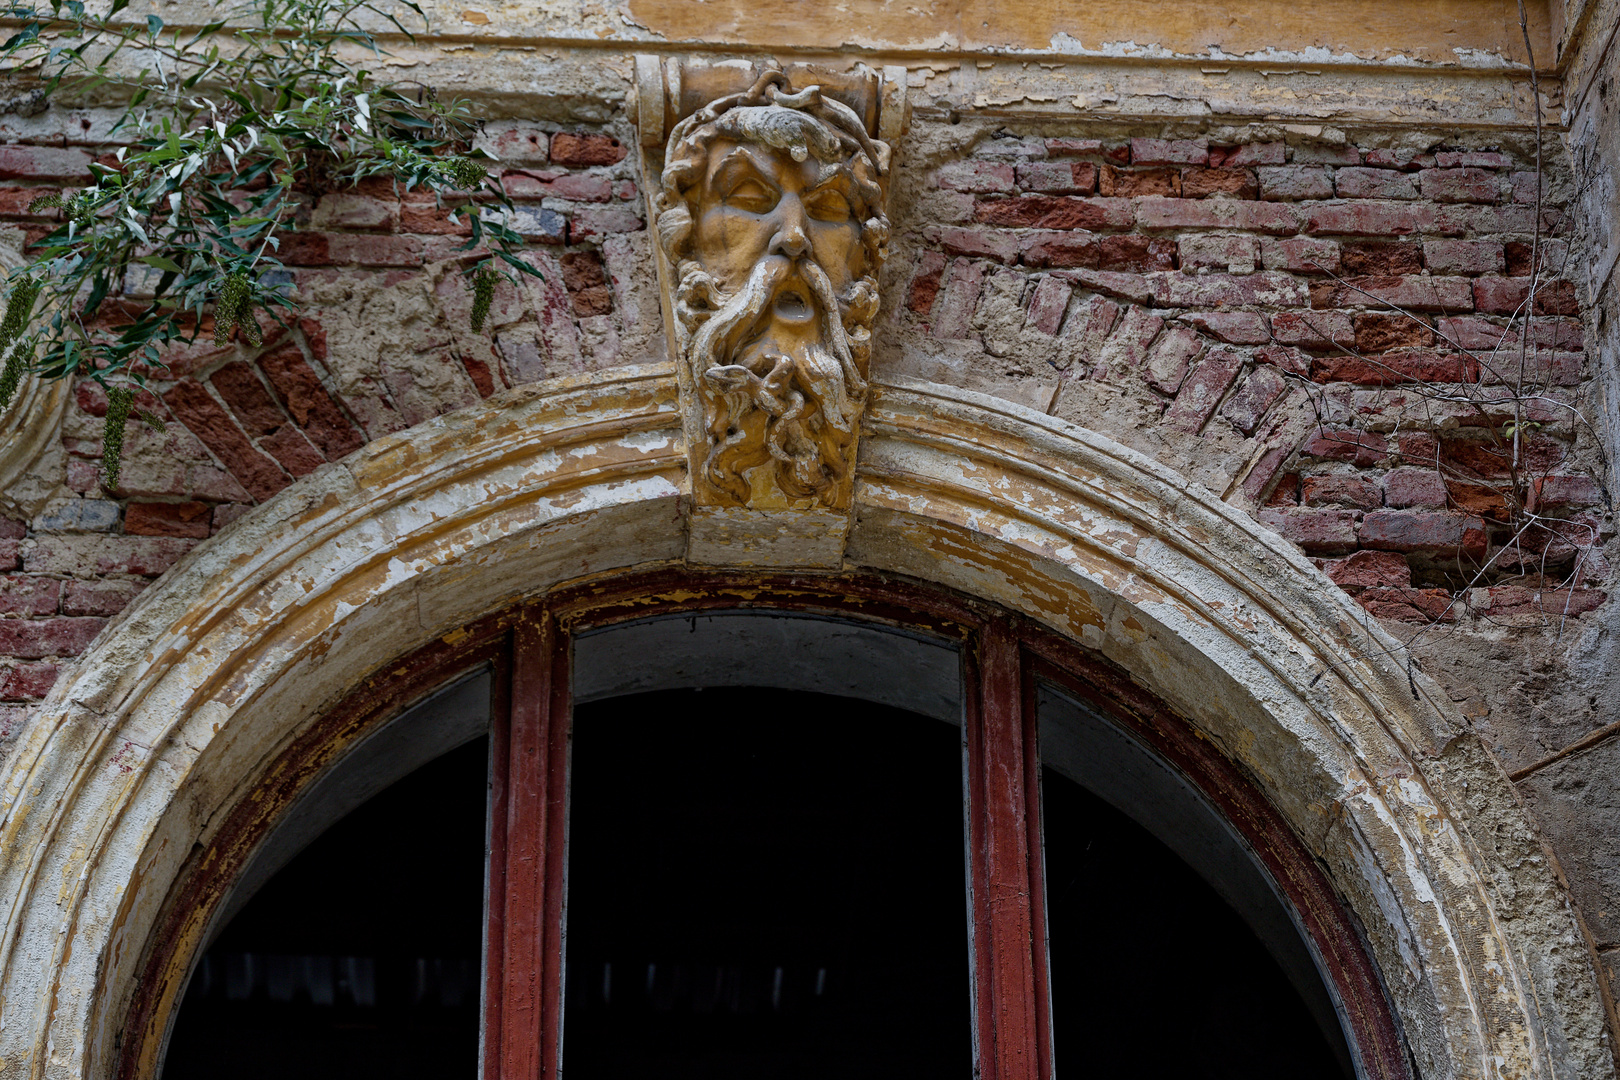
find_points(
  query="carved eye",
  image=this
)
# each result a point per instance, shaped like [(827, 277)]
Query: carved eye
[(828, 204), (752, 196)]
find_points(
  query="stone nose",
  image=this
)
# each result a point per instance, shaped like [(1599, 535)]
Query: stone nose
[(792, 237)]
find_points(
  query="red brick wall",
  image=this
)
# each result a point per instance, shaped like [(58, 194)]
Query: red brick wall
[(1216, 289), (382, 343), (1246, 301)]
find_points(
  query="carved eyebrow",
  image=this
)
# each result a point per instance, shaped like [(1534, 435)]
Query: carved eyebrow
[(740, 164)]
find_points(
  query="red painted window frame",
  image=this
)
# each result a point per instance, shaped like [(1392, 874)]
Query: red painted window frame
[(527, 648), (1003, 658)]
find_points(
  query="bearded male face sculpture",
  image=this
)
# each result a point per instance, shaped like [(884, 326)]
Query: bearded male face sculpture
[(771, 218)]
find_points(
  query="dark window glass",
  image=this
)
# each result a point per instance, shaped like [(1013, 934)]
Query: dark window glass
[(360, 958), (1153, 975), (765, 883)]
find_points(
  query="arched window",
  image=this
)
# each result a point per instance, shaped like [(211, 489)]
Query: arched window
[(742, 827)]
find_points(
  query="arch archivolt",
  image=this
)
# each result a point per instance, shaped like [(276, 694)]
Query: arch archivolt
[(170, 720)]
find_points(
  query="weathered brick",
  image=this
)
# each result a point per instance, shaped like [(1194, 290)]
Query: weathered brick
[(1391, 368), (147, 556), (1126, 349), (22, 594), (1047, 304), (518, 144), (1318, 532), (167, 519), (1055, 212), (1361, 448), (1559, 491), (1232, 327), (1538, 453), (1314, 329), (241, 388), (539, 224), (292, 451), (1136, 288), (1506, 600), (1003, 145), (1426, 532), (79, 515), (1412, 486), (1380, 259), (1199, 182), (959, 299), (26, 682), (1059, 249), (103, 599), (1553, 256), (1267, 288), (997, 244), (1336, 489), (43, 163), (1374, 184), (1371, 219), (1410, 292), (1251, 400), (1406, 160), (1167, 362), (12, 529), (553, 183), (1286, 493), (1370, 569), (1409, 605), (1294, 183), (307, 401), (1169, 151), (978, 177), (194, 407), (1073, 147), (346, 210), (1326, 154), (1057, 177), (1460, 185), (1300, 255), (1483, 500), (1272, 153), (1472, 159), (1463, 257), (1160, 213), (578, 149), (1086, 331), (1233, 254), (1506, 296), (35, 639), (1131, 183), (925, 283), (1380, 332), (1136, 254), (1203, 389), (373, 250), (425, 217)]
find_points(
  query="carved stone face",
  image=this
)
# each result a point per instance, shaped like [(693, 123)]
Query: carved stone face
[(759, 204), (771, 219)]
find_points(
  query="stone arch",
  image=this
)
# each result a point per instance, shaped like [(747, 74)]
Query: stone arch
[(165, 723)]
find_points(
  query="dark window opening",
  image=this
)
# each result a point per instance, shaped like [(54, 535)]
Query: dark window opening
[(765, 883), (1153, 974), (360, 957)]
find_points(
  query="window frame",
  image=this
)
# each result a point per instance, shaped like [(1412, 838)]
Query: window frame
[(1004, 657)]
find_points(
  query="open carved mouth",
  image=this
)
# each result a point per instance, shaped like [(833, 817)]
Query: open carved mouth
[(792, 306)]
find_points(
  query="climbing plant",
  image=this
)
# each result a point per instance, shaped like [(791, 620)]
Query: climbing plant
[(226, 130)]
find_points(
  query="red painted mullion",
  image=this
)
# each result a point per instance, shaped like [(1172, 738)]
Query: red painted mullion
[(536, 832), (500, 730), (1009, 940)]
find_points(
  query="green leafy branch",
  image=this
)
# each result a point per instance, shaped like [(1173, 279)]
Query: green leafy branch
[(227, 130)]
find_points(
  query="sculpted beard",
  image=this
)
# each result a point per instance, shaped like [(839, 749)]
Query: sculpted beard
[(798, 408)]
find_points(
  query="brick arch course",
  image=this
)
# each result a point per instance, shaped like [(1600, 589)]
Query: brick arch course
[(164, 723)]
